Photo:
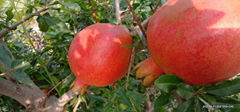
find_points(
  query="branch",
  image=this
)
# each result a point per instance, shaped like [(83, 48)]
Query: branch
[(118, 11), (57, 105), (77, 105), (7, 30), (156, 7), (26, 95), (34, 99), (65, 98), (137, 31), (130, 65), (136, 18)]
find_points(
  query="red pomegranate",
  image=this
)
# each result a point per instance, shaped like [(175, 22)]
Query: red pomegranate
[(148, 70), (198, 40), (99, 55)]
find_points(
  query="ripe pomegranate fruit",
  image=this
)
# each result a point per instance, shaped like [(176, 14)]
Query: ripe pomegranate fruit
[(99, 55), (148, 70), (198, 40)]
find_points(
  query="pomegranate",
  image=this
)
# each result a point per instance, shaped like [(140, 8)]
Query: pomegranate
[(99, 55), (148, 70), (198, 40)]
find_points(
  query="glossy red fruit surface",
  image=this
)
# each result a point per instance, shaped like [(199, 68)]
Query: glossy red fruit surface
[(99, 55), (198, 40)]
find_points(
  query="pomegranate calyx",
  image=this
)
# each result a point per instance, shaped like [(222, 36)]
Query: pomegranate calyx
[(148, 70)]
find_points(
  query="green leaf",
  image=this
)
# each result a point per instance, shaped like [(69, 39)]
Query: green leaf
[(185, 91), (210, 99), (226, 88), (20, 65), (5, 56), (123, 97), (236, 108), (1, 2), (136, 99), (42, 24), (185, 107), (199, 106), (51, 21), (71, 6), (132, 99), (227, 103), (44, 2), (30, 9), (21, 77), (162, 100), (167, 82), (9, 14), (46, 21), (226, 100)]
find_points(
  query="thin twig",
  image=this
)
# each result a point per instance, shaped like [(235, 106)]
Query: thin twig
[(156, 7), (179, 100), (57, 85), (130, 65), (77, 105), (137, 31), (66, 97), (149, 105), (7, 30), (118, 11), (94, 14), (136, 18), (207, 105)]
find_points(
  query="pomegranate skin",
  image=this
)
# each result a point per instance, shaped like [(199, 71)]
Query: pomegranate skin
[(148, 70), (198, 40), (99, 55)]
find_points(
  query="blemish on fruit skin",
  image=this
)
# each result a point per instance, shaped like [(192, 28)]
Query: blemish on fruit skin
[(77, 54), (116, 40)]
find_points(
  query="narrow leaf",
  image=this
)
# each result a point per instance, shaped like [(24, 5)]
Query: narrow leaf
[(71, 6), (21, 77), (185, 107), (185, 91), (225, 89), (162, 100), (167, 82), (199, 106), (5, 56), (42, 24), (9, 14)]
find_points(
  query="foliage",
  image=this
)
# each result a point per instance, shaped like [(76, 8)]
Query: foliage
[(38, 53)]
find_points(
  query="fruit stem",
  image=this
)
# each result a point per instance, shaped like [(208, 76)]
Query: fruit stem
[(136, 18), (79, 88)]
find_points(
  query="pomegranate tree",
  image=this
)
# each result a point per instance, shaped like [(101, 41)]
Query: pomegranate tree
[(99, 55), (198, 40)]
